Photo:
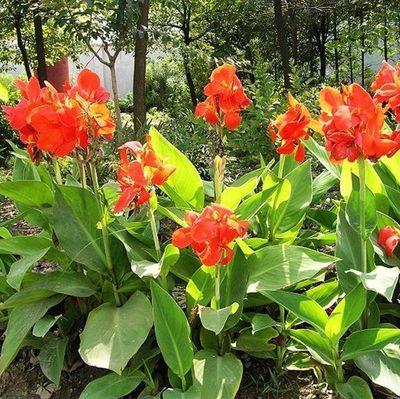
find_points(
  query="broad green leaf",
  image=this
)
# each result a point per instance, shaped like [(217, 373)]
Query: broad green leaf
[(346, 313), (304, 308), (200, 288), (24, 246), (71, 283), (353, 209), (324, 294), (42, 326), (3, 93), (382, 367), (20, 322), (76, 215), (191, 393), (145, 268), (51, 358), (324, 218), (382, 280), (113, 335), (232, 195), (280, 266), (373, 182), (318, 346), (214, 320), (250, 342), (28, 192), (322, 155), (354, 388), (234, 280), (172, 331), (322, 184), (261, 321), (371, 340), (177, 187), (216, 376), (21, 266), (348, 250), (111, 386)]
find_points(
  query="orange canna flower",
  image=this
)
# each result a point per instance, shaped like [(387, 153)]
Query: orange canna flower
[(292, 127), (387, 87), (60, 123), (389, 238), (210, 233), (225, 98), (137, 176), (352, 125)]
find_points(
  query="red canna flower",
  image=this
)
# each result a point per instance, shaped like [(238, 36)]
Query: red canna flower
[(225, 98), (352, 125), (292, 127), (137, 176), (387, 87), (60, 123), (389, 238), (210, 233)]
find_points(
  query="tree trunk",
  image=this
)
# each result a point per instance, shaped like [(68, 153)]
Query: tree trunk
[(139, 77), (320, 37), (350, 46), (293, 29), (22, 48), (39, 44), (114, 86), (282, 40), (189, 78), (336, 51), (385, 37)]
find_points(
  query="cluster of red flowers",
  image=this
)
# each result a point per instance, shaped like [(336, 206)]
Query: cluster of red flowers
[(353, 123), (137, 176), (389, 238), (59, 123), (225, 98), (387, 87), (292, 127), (210, 233)]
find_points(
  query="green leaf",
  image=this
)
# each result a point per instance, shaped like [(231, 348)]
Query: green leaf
[(322, 155), (20, 322), (191, 393), (353, 209), (172, 331), (280, 266), (42, 326), (51, 358), (111, 386), (113, 335), (28, 192), (354, 388), (348, 250), (216, 376), (364, 341), (317, 345), (261, 321), (346, 313), (382, 280), (76, 215), (322, 184), (250, 342), (304, 308), (200, 288), (71, 283), (3, 93), (214, 320), (232, 195), (21, 266), (177, 187), (382, 367), (24, 246)]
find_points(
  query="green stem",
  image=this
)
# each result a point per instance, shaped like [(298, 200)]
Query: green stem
[(363, 233), (281, 349), (82, 171), (154, 232), (57, 171), (104, 231), (218, 303), (275, 223)]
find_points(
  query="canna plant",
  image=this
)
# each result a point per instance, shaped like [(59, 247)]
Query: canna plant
[(254, 275)]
